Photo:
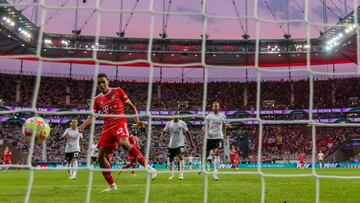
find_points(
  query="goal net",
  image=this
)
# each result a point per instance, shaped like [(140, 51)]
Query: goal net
[(298, 52)]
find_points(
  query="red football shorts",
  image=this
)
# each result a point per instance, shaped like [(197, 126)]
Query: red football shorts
[(131, 158), (110, 138), (302, 161), (6, 161)]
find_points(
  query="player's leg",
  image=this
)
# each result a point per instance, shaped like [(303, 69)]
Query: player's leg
[(133, 166), (178, 162), (181, 163), (301, 164), (94, 161), (71, 166), (75, 164), (4, 168), (124, 142), (126, 166), (209, 153), (234, 162), (135, 152), (216, 152), (171, 163), (237, 162), (104, 163), (68, 159), (190, 165)]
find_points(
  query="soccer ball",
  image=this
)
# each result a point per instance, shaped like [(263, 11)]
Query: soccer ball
[(37, 124)]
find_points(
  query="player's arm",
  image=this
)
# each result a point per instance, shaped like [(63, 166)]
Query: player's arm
[(134, 112), (186, 129), (205, 124), (87, 122), (89, 119), (161, 138), (224, 130), (191, 139), (204, 127), (64, 135), (81, 143), (163, 133)]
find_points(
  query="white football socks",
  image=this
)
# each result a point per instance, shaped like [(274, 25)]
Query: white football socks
[(75, 167)]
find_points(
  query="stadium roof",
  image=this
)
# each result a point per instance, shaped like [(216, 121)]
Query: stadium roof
[(19, 36)]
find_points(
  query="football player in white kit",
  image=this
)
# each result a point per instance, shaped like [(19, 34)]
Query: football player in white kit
[(321, 158), (176, 128), (190, 162), (215, 123), (94, 152), (73, 142)]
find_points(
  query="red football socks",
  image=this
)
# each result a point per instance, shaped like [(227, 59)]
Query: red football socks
[(107, 174), (134, 151)]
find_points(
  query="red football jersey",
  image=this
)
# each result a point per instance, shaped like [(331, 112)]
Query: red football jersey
[(302, 157), (233, 154), (7, 155), (111, 103), (133, 140)]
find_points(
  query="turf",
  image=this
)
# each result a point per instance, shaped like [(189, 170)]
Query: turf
[(54, 186)]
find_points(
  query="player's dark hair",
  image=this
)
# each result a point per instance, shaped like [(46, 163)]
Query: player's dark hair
[(102, 75)]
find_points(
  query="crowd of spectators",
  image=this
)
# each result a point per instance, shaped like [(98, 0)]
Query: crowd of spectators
[(282, 94), (280, 142), (286, 142)]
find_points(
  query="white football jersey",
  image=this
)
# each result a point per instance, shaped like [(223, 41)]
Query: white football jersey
[(321, 156), (72, 140), (94, 150), (215, 123), (176, 130)]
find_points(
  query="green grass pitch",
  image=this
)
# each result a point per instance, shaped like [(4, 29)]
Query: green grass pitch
[(54, 186)]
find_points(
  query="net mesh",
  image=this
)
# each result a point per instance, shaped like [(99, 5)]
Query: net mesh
[(206, 17)]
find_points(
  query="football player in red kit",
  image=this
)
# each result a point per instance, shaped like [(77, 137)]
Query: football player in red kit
[(234, 157), (302, 160), (132, 161), (6, 158), (112, 101)]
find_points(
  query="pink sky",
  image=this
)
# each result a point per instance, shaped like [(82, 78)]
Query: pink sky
[(184, 26), (191, 26)]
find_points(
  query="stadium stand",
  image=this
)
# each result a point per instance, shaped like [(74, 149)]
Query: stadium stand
[(329, 93)]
